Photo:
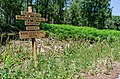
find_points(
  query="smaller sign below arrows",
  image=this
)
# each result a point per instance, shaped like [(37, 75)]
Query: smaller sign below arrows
[(31, 34), (32, 28), (32, 23)]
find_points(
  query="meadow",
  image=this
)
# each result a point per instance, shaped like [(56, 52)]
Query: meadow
[(65, 53)]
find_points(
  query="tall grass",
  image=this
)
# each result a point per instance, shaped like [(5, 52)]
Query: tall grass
[(16, 60)]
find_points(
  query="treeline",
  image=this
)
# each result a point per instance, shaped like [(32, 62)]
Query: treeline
[(92, 13)]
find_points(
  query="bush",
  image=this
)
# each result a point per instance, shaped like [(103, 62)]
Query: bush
[(74, 32), (7, 28)]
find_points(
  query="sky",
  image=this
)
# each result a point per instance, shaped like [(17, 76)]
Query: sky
[(116, 7), (115, 4)]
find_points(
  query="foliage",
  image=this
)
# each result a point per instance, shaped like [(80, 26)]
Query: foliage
[(75, 12), (113, 23), (9, 8), (74, 32), (16, 60), (96, 12), (51, 10), (92, 13), (116, 20), (7, 28)]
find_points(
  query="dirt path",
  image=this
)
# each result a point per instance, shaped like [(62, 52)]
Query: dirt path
[(114, 73)]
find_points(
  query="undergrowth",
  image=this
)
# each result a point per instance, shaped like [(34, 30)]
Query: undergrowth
[(82, 49), (16, 60)]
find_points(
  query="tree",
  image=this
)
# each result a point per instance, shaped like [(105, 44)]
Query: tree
[(10, 9), (96, 12), (75, 12), (116, 20)]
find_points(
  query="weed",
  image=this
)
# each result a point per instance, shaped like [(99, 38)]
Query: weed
[(72, 62)]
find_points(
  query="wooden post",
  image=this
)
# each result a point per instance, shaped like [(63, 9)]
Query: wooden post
[(34, 49)]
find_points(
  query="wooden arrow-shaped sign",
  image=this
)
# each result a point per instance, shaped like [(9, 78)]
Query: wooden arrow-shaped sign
[(31, 23), (18, 17), (30, 14), (32, 28)]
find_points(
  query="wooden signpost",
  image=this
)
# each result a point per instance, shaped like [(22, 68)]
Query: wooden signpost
[(31, 22)]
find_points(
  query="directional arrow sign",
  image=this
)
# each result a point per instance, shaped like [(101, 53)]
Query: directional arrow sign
[(32, 28), (32, 23), (30, 14), (31, 34), (18, 17)]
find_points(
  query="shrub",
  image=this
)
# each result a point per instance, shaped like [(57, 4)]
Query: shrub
[(74, 32)]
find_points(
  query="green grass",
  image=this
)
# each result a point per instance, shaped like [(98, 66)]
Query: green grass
[(74, 56), (76, 33), (16, 61)]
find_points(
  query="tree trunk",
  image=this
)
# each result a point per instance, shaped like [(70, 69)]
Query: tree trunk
[(37, 3), (46, 6)]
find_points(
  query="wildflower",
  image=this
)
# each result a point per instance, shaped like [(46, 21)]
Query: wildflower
[(10, 71), (26, 67)]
